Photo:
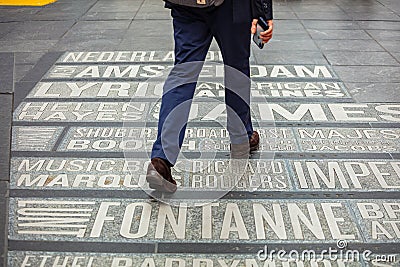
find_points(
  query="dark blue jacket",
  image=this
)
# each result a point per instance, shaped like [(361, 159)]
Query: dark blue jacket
[(262, 8), (242, 9)]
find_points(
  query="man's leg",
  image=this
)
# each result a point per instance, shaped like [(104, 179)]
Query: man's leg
[(233, 36), (192, 41)]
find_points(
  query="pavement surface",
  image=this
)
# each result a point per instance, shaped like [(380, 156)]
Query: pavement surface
[(79, 84)]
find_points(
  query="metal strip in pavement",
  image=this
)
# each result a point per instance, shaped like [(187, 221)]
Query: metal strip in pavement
[(174, 247), (395, 155), (149, 99), (106, 247), (212, 124), (201, 194), (207, 124), (221, 155), (161, 79)]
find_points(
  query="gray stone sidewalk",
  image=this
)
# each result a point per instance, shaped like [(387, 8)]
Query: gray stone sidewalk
[(329, 82)]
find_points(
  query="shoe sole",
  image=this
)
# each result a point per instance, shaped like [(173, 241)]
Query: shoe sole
[(158, 183), (243, 154)]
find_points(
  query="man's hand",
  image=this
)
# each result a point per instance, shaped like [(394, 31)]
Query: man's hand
[(266, 35)]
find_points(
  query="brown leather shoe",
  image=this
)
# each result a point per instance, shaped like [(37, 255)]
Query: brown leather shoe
[(254, 141), (159, 176)]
